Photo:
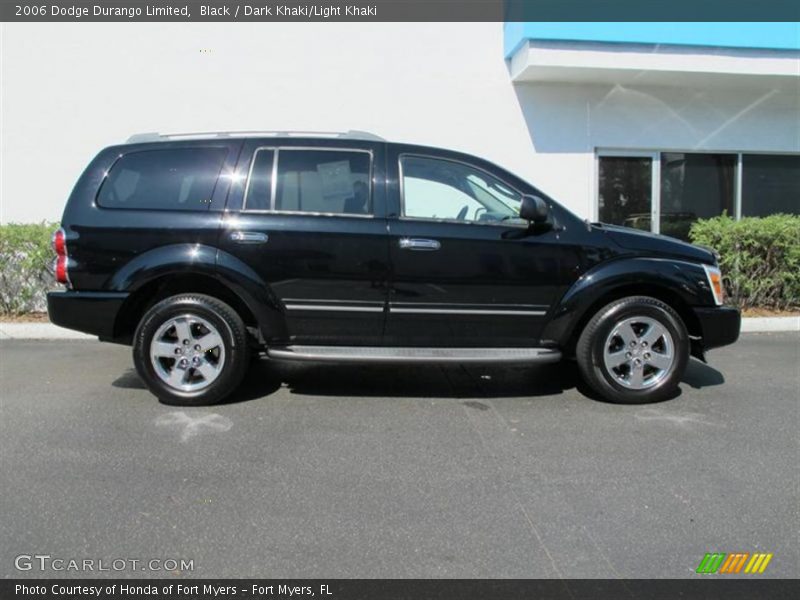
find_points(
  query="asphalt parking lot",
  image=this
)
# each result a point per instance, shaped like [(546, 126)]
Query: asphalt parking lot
[(322, 471)]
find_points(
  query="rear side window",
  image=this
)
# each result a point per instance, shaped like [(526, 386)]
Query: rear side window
[(314, 181), (169, 179)]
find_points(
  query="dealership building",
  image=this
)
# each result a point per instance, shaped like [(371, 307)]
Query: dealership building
[(650, 125)]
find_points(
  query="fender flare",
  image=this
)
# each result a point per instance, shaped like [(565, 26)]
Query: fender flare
[(200, 259), (684, 281)]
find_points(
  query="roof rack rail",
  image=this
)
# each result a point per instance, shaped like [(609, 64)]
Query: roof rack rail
[(155, 136)]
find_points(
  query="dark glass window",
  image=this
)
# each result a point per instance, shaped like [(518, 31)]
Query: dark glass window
[(259, 187), (770, 184), (625, 191), (324, 181), (168, 179), (695, 186)]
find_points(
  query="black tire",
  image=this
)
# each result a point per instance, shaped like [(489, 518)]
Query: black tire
[(613, 384), (225, 322)]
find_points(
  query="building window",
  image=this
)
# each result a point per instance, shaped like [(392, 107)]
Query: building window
[(665, 192), (695, 186), (625, 192), (770, 184)]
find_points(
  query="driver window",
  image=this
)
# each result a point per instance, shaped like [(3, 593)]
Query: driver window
[(446, 190)]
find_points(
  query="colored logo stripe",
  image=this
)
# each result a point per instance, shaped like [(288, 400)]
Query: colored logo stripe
[(721, 562), (711, 562), (758, 563), (734, 562)]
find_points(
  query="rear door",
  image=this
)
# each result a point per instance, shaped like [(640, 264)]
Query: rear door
[(310, 220)]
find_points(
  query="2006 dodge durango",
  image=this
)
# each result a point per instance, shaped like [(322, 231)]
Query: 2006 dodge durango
[(200, 250)]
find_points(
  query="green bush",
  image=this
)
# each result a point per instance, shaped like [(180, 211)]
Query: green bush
[(760, 258), (26, 257)]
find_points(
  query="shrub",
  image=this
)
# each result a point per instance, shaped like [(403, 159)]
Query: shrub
[(760, 258), (25, 267)]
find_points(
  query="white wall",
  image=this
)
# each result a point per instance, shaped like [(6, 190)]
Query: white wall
[(70, 89), (67, 90)]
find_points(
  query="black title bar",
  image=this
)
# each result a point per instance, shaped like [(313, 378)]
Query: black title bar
[(400, 10), (398, 589)]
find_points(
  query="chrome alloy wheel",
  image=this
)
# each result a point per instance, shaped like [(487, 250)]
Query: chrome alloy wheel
[(187, 353), (639, 353)]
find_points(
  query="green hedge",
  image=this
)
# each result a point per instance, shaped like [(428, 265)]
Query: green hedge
[(760, 258), (26, 258)]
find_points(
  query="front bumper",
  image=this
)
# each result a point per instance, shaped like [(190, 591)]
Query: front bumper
[(719, 325), (94, 313)]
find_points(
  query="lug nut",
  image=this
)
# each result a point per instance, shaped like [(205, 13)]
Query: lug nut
[(195, 361), (185, 342), (633, 343), (197, 347), (628, 355), (184, 363), (647, 356), (178, 351), (644, 344)]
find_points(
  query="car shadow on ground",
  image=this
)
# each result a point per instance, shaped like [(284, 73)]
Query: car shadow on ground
[(421, 381)]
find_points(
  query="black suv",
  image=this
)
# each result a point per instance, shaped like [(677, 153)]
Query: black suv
[(200, 250)]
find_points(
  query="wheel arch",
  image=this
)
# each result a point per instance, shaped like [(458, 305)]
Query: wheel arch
[(661, 293), (679, 285), (166, 272)]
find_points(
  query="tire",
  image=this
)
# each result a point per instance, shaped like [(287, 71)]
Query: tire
[(634, 351), (204, 370)]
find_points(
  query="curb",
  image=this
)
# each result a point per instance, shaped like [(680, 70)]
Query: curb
[(48, 331), (766, 324), (40, 331)]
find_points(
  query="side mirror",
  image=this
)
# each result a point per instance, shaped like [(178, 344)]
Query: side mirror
[(534, 209)]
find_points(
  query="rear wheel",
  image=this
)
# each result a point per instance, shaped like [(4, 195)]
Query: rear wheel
[(191, 350), (634, 350)]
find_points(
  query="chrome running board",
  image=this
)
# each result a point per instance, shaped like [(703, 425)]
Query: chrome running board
[(380, 354)]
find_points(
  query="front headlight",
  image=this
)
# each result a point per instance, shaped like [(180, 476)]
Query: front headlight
[(715, 282)]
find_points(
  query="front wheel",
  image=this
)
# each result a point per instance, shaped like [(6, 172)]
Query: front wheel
[(634, 350), (191, 350)]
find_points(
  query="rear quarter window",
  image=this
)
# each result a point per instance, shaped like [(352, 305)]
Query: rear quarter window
[(168, 179)]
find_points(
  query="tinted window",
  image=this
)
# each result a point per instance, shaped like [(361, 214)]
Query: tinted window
[(695, 186), (625, 191), (323, 181), (259, 187), (442, 189), (169, 179), (770, 184)]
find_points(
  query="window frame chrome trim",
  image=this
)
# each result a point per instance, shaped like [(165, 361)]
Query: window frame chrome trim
[(274, 183)]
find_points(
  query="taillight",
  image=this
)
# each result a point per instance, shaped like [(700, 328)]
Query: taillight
[(62, 260), (60, 242)]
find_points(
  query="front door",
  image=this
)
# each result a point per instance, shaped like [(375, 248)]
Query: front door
[(467, 272), (310, 224)]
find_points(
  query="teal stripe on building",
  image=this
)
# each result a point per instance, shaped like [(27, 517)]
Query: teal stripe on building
[(769, 36)]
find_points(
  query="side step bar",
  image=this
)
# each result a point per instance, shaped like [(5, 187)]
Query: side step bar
[(380, 354)]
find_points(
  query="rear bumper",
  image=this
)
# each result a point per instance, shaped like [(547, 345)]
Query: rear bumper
[(90, 312), (720, 326)]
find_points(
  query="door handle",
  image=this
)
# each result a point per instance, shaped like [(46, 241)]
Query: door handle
[(419, 244), (249, 237)]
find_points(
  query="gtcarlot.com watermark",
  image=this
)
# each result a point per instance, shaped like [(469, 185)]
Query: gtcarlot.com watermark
[(46, 562)]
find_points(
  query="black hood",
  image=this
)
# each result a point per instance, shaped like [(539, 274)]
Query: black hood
[(654, 244)]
